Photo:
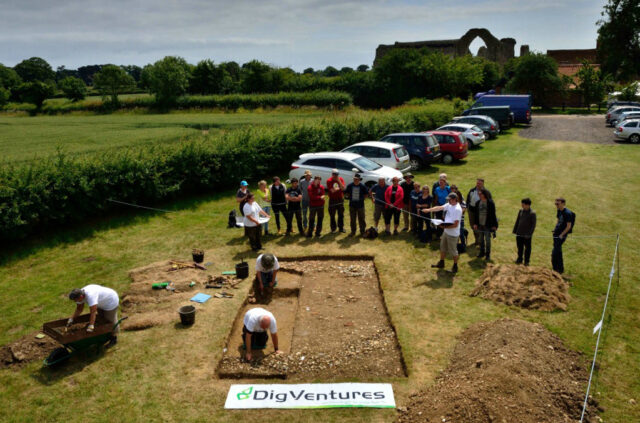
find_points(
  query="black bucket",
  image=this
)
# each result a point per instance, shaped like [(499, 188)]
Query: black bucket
[(242, 270), (198, 256), (187, 315)]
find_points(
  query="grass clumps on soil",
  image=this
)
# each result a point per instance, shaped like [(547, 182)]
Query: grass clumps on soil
[(523, 286), (25, 350), (505, 371)]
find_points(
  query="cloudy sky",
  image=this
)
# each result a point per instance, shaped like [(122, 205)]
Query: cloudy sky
[(294, 33)]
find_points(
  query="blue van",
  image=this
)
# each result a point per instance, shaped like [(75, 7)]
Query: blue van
[(520, 105)]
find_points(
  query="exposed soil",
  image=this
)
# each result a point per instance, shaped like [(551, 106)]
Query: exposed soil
[(25, 350), (583, 128), (524, 286), (332, 324), (505, 371), (148, 307)]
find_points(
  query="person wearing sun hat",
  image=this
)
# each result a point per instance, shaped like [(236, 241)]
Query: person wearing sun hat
[(241, 195)]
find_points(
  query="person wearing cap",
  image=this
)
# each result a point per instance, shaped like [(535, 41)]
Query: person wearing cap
[(407, 187), (356, 192), (294, 198), (241, 195), (304, 186), (278, 200), (252, 229), (267, 267), (316, 206), (449, 241), (102, 301), (256, 322), (377, 198), (336, 187), (485, 222), (393, 203)]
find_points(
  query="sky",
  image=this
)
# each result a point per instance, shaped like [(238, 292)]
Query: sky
[(284, 33)]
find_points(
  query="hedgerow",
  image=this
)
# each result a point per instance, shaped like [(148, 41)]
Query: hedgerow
[(67, 189)]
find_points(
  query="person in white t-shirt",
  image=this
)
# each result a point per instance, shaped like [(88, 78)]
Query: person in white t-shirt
[(451, 225), (254, 332), (252, 229), (267, 267), (102, 301)]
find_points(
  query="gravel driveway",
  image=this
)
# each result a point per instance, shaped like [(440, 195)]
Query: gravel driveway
[(583, 128)]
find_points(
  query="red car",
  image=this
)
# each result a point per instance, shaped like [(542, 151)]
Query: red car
[(453, 145)]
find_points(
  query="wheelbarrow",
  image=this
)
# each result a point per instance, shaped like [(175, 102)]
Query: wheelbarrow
[(74, 342)]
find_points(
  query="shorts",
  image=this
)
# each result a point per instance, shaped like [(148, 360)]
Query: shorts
[(449, 244)]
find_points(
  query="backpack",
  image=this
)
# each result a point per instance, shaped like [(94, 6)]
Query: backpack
[(232, 219), (371, 233), (572, 219)]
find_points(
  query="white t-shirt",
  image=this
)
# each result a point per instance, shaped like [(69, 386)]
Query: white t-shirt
[(259, 267), (252, 320), (105, 298), (252, 210), (452, 213)]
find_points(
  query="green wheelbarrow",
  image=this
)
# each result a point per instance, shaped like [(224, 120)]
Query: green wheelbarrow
[(76, 341)]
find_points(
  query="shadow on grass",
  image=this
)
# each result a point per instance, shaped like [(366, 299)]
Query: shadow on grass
[(51, 375), (443, 280), (120, 216)]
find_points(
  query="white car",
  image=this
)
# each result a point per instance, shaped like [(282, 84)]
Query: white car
[(384, 153), (472, 133), (348, 164), (625, 116), (629, 130)]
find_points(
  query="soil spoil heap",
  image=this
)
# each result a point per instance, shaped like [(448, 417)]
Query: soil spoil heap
[(523, 286), (25, 350), (505, 371)]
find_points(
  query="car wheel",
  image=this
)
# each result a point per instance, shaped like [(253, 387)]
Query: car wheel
[(447, 159), (635, 138), (415, 163)]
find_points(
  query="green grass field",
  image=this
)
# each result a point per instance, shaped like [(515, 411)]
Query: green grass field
[(27, 138), (164, 374)]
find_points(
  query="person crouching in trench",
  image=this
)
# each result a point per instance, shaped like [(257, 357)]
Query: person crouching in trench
[(266, 275)]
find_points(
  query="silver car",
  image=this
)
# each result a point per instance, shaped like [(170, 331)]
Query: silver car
[(472, 133), (627, 115), (613, 115), (629, 130)]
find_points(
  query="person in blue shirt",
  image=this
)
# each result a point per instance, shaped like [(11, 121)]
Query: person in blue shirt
[(560, 232), (356, 192)]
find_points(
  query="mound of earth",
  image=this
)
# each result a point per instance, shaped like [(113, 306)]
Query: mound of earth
[(523, 286), (505, 371), (25, 350)]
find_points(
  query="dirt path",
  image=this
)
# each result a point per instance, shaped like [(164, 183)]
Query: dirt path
[(582, 128)]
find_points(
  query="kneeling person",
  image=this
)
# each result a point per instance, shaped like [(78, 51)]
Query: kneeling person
[(254, 332), (267, 267), (102, 301)]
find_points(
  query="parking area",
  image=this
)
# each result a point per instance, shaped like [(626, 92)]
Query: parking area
[(588, 128)]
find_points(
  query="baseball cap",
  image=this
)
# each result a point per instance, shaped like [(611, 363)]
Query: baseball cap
[(357, 175), (335, 171), (453, 195), (244, 183)]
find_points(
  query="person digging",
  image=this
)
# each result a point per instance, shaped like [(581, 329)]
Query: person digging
[(102, 301), (267, 267), (254, 332)]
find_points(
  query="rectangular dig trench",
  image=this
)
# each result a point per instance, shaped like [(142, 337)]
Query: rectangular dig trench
[(332, 324)]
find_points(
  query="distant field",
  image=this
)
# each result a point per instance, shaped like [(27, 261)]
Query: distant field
[(92, 98), (26, 138)]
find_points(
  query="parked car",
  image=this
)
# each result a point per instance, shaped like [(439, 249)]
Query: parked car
[(629, 130), (384, 153), (347, 163), (453, 145), (626, 115), (486, 123), (613, 115), (520, 105), (472, 133), (423, 148), (501, 114), (617, 103)]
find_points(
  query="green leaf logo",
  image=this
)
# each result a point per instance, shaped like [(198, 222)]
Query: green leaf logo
[(243, 395)]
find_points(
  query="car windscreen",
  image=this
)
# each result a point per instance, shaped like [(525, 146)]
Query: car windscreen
[(366, 164)]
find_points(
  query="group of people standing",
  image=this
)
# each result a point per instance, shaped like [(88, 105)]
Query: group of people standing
[(429, 213)]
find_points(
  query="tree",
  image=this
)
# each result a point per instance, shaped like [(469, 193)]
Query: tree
[(9, 78), (207, 78), (346, 69), (35, 69), (35, 93), (133, 71), (629, 93), (62, 73), (536, 74), (619, 39), (111, 81), (330, 71), (255, 77), (73, 88), (86, 73), (592, 84), (5, 94), (362, 68), (167, 79), (308, 71)]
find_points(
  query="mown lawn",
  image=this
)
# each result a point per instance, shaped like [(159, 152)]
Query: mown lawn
[(165, 374), (25, 138)]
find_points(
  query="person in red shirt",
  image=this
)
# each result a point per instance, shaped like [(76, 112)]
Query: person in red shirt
[(394, 202), (316, 206), (336, 187)]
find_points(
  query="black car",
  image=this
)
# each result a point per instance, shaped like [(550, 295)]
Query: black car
[(423, 148), (486, 123)]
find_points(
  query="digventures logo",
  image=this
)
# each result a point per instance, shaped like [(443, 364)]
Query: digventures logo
[(377, 395)]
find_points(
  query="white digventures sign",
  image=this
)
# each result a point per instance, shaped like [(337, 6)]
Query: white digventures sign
[(311, 395)]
